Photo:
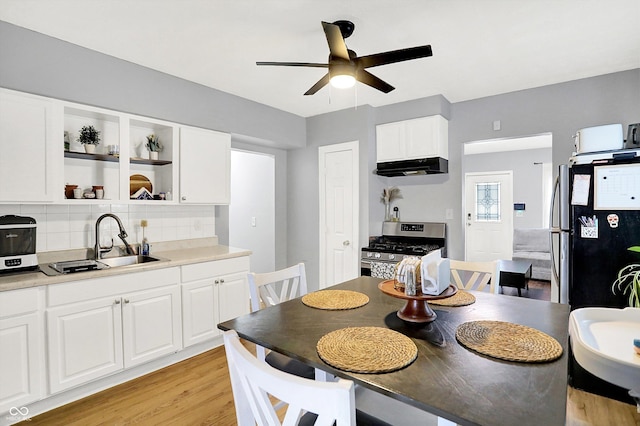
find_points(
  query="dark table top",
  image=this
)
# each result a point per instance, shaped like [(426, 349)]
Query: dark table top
[(446, 379)]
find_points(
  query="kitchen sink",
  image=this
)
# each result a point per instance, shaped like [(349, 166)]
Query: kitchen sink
[(86, 265), (116, 262), (73, 266)]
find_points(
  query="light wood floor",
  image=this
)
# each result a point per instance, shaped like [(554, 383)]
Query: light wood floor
[(198, 392)]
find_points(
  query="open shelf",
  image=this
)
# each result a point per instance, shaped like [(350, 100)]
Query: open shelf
[(113, 158), (152, 162)]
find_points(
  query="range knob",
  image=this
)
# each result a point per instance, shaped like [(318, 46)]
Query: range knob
[(392, 256), (377, 255), (369, 254)]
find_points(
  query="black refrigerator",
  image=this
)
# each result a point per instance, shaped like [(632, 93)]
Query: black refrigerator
[(601, 221)]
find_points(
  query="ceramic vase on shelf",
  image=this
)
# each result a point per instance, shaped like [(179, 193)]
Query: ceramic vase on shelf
[(89, 148), (153, 155), (387, 212)]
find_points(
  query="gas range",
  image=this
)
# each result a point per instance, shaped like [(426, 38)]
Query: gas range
[(399, 240)]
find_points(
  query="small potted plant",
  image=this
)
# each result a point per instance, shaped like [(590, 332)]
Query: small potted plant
[(628, 281), (89, 137), (154, 146)]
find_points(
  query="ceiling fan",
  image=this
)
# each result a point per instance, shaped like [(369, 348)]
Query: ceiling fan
[(345, 67)]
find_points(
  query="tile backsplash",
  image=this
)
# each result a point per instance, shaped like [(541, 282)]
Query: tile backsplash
[(68, 226)]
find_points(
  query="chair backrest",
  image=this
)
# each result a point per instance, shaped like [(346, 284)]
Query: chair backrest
[(253, 382), (271, 288), (476, 275)]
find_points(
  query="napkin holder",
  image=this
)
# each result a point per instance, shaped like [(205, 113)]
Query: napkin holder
[(435, 273)]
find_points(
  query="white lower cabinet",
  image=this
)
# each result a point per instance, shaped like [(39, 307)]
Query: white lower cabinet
[(152, 324), (213, 292), (101, 326), (22, 356), (85, 342)]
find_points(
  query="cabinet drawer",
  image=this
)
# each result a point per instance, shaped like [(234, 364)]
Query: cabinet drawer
[(204, 270), (90, 289), (15, 302)]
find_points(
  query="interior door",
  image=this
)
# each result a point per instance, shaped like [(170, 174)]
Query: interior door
[(338, 178), (488, 216)]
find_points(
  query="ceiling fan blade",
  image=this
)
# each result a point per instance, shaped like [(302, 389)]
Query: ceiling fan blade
[(337, 46), (295, 64), (395, 56), (319, 85), (371, 80)]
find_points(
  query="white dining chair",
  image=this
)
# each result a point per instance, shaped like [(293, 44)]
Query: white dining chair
[(253, 383), (269, 289), (476, 275)]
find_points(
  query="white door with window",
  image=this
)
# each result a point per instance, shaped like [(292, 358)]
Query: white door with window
[(488, 216), (338, 180)]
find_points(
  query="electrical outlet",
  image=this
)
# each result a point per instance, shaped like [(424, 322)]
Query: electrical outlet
[(253, 221), (449, 213)]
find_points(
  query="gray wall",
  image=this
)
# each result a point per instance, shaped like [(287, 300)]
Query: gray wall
[(559, 109), (34, 63)]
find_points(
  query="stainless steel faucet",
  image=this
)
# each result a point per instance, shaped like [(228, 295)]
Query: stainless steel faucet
[(122, 235)]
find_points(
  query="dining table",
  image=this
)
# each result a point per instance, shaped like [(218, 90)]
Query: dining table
[(446, 378)]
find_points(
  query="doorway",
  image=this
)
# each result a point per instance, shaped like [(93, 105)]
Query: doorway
[(338, 173), (252, 207), (488, 217), (529, 159)]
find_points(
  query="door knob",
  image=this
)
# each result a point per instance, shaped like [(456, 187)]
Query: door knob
[(346, 243)]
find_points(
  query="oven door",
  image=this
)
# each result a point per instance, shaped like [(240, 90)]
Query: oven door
[(365, 268)]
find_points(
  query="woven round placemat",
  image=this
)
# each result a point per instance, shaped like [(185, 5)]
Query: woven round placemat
[(461, 298), (334, 300), (511, 342), (367, 349)]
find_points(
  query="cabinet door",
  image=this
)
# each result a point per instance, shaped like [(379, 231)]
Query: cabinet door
[(27, 147), (152, 325), (200, 312), (20, 360), (205, 166), (233, 296), (390, 144), (85, 342), (426, 137)]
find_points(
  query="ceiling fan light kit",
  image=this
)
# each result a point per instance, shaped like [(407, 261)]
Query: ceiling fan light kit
[(344, 65), (343, 81)]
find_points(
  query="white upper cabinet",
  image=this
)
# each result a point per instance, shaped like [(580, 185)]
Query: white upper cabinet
[(43, 161), (423, 137), (28, 159), (205, 166)]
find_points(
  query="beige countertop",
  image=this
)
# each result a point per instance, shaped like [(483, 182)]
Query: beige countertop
[(171, 254)]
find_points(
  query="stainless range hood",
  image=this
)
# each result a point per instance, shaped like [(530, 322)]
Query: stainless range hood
[(420, 166)]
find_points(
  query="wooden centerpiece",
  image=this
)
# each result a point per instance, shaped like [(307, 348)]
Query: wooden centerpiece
[(416, 308)]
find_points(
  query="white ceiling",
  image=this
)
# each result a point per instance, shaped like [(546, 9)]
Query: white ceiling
[(480, 47)]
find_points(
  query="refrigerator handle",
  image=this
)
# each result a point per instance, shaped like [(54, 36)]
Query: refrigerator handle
[(553, 230)]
